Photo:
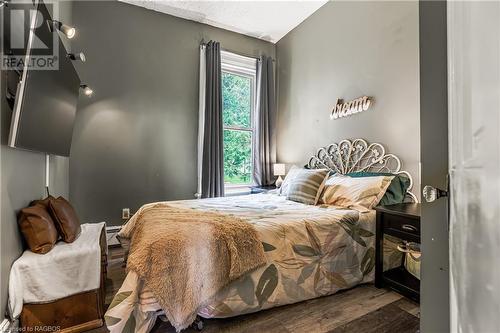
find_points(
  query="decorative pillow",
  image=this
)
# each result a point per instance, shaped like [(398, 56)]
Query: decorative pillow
[(395, 193), (38, 229), (307, 186), (349, 192), (290, 176), (65, 219)]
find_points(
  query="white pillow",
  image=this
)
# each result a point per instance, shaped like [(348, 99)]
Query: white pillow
[(352, 192)]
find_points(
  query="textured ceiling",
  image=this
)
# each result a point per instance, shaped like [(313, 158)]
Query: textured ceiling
[(267, 20)]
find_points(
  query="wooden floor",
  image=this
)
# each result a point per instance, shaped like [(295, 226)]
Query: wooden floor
[(361, 309)]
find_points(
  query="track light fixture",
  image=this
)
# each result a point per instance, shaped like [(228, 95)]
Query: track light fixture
[(70, 32), (86, 90), (4, 3), (77, 56)]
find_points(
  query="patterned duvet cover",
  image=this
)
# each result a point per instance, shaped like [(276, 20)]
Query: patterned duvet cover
[(311, 251)]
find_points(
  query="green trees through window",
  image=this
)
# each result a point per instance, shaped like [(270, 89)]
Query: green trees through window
[(237, 105)]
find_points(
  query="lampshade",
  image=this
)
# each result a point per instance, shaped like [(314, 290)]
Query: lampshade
[(279, 169)]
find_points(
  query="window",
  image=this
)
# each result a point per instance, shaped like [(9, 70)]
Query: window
[(238, 109)]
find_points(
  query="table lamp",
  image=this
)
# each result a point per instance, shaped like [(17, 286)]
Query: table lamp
[(279, 170)]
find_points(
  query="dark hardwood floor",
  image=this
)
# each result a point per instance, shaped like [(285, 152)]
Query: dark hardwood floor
[(361, 309)]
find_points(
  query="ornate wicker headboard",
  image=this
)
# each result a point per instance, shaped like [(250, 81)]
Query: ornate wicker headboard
[(357, 155)]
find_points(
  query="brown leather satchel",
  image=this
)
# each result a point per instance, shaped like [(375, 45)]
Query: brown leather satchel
[(38, 228), (65, 219)]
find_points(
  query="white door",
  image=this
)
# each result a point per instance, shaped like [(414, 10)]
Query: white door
[(474, 160)]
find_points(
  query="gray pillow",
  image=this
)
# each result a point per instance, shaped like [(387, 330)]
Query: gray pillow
[(307, 186)]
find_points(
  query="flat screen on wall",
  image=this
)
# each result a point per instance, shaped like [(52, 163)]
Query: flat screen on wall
[(46, 97)]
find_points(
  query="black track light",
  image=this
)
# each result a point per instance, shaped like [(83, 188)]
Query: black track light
[(86, 90), (77, 56), (70, 32)]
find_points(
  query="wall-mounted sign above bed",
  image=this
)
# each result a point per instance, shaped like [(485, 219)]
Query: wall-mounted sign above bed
[(344, 109)]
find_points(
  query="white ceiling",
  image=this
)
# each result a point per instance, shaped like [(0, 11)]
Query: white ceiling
[(267, 20)]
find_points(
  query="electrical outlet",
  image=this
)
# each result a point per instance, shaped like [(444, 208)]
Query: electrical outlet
[(125, 213)]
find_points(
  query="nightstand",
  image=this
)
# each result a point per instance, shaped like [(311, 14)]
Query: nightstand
[(401, 221), (262, 189)]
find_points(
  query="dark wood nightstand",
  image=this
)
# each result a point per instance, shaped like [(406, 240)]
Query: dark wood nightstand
[(262, 189), (401, 221)]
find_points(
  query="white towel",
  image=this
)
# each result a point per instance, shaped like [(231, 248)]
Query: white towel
[(66, 270)]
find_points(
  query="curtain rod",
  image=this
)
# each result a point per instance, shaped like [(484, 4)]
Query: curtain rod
[(239, 53)]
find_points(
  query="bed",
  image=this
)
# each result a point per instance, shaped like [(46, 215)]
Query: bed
[(310, 250)]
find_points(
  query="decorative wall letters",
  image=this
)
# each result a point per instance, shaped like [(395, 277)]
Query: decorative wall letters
[(342, 109)]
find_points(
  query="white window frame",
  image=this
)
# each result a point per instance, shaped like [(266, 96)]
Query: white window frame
[(247, 67)]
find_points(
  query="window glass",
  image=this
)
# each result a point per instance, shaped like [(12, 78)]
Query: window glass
[(237, 100), (237, 156)]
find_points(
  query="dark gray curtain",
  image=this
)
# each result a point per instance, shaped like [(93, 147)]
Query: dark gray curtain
[(265, 138), (212, 180)]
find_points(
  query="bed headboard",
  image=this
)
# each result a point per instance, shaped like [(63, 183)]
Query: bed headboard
[(358, 155)]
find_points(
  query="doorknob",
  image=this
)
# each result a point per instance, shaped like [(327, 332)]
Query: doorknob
[(432, 194)]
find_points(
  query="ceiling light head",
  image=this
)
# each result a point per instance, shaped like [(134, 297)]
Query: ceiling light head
[(4, 3), (70, 32), (77, 56), (86, 90)]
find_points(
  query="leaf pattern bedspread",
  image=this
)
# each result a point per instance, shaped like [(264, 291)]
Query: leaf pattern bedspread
[(311, 251)]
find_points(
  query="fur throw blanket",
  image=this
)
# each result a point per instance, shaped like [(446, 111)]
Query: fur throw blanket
[(185, 257)]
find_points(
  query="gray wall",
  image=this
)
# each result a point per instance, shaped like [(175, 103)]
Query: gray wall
[(22, 180), (135, 140), (347, 50)]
